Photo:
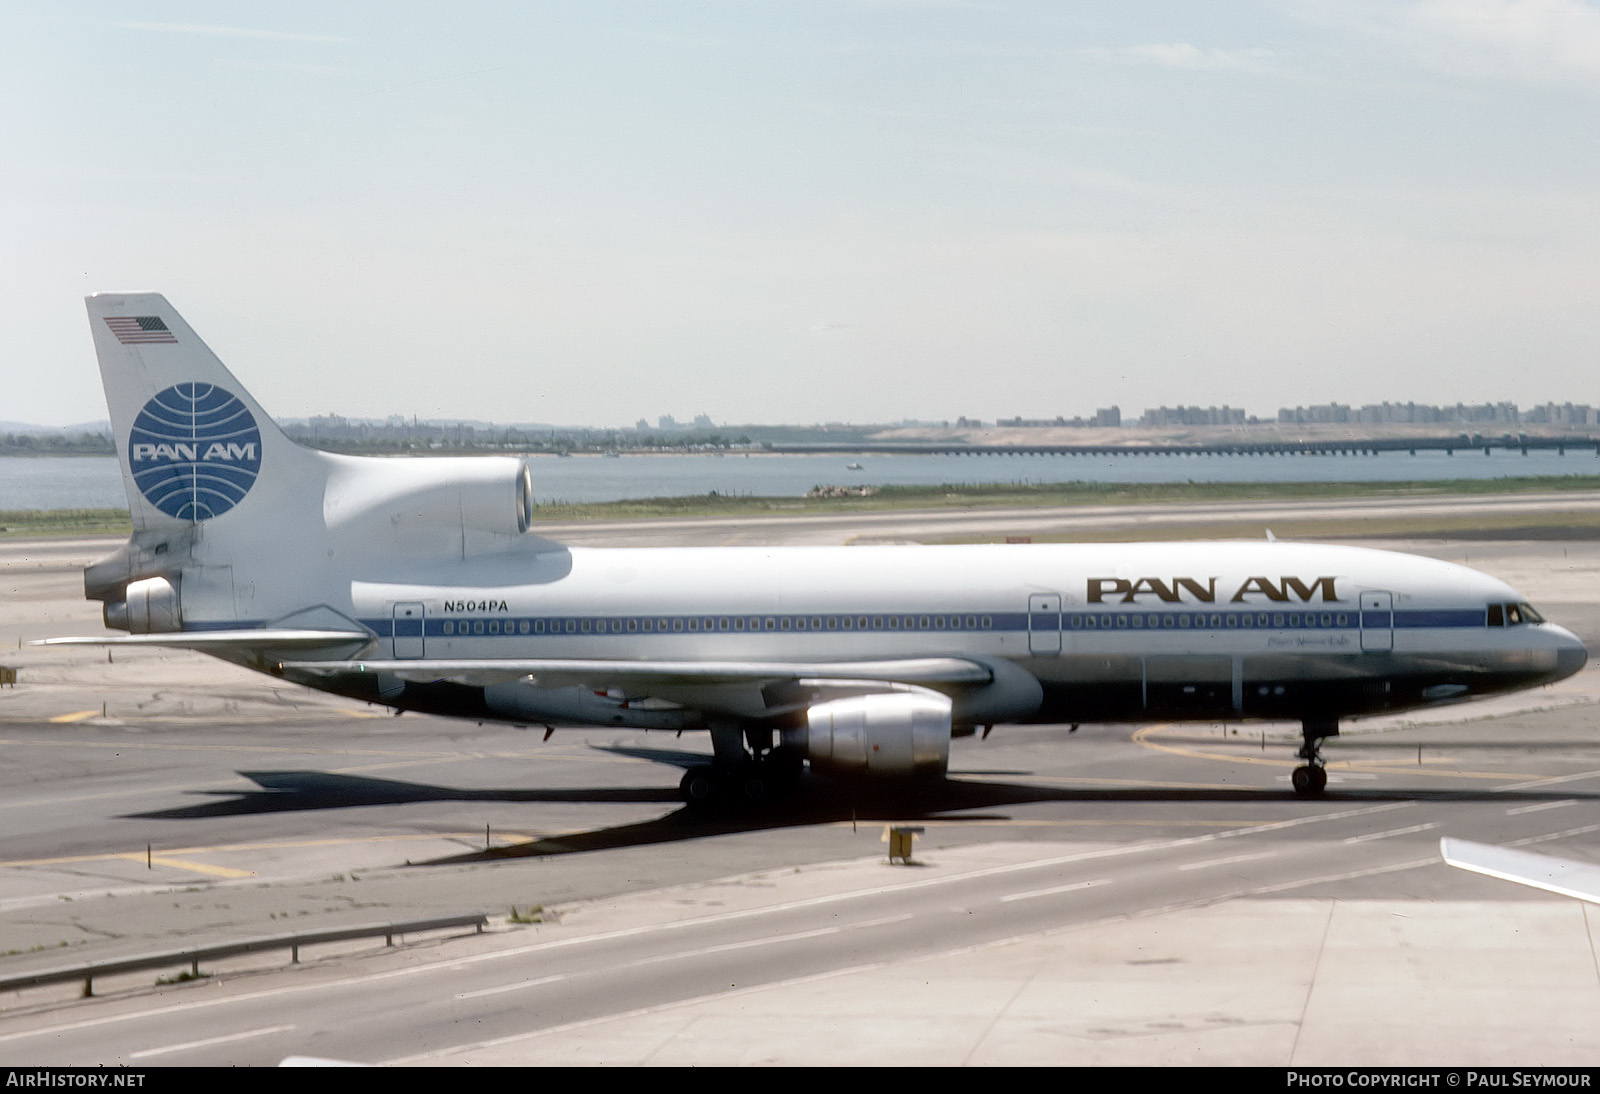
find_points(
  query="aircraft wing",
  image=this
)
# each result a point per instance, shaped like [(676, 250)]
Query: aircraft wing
[(1558, 875), (600, 674)]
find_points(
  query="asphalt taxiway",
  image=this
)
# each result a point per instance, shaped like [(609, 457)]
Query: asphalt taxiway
[(1105, 896)]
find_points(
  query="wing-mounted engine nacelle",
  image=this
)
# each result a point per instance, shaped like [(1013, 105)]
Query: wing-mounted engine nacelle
[(893, 734), (150, 606), (444, 502)]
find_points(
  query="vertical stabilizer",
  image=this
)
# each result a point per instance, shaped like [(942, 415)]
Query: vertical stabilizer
[(191, 440)]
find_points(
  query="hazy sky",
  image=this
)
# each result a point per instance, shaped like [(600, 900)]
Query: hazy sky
[(848, 210)]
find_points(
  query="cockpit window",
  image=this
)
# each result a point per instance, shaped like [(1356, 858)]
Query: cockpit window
[(1511, 615)]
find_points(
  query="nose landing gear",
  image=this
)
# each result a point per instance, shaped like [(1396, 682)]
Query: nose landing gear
[(1312, 777)]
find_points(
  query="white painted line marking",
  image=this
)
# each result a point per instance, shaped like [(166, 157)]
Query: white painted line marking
[(1534, 784), (246, 1035), (518, 986), (730, 947), (1225, 861), (1393, 832), (1057, 889), (1583, 831), (1542, 806)]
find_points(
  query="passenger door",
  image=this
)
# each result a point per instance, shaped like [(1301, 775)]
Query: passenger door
[(410, 622), (1377, 621), (1044, 623)]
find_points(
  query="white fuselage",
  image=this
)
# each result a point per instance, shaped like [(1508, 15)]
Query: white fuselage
[(1110, 630)]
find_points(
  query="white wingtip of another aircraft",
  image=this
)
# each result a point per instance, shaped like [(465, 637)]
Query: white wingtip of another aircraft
[(1579, 880)]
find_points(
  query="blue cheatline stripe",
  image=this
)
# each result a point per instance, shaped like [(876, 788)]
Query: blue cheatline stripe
[(1119, 620), (1465, 617)]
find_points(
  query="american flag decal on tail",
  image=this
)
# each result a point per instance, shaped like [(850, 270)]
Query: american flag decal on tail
[(139, 330)]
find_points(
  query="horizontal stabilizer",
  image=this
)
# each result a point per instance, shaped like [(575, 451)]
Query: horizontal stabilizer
[(559, 672), (1580, 880), (251, 638)]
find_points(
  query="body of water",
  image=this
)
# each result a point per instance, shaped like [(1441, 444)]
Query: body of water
[(94, 482)]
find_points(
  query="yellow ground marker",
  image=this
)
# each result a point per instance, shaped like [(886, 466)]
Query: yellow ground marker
[(75, 716), (184, 864)]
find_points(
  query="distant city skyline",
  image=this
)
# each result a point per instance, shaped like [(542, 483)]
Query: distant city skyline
[(611, 211), (1564, 414)]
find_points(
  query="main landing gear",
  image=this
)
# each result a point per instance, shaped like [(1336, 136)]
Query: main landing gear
[(1312, 777), (746, 770)]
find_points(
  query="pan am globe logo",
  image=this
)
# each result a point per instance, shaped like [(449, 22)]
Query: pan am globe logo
[(194, 451)]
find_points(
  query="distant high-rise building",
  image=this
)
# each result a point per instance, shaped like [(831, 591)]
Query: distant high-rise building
[(1192, 415)]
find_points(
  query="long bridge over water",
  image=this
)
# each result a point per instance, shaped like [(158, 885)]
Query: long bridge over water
[(1513, 442)]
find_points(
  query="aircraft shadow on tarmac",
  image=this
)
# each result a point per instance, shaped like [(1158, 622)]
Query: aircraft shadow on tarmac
[(817, 800)]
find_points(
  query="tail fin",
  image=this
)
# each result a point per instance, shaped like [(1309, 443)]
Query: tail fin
[(192, 441), (237, 525)]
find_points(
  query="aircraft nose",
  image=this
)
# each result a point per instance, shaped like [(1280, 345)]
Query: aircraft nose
[(1570, 654)]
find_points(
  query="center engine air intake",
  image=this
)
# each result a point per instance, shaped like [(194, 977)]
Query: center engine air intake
[(429, 503)]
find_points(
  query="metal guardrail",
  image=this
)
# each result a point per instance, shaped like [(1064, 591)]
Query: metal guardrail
[(194, 955)]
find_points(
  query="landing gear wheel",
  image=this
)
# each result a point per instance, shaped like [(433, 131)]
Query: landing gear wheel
[(1309, 780), (699, 786), (746, 772), (1312, 777), (750, 787)]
